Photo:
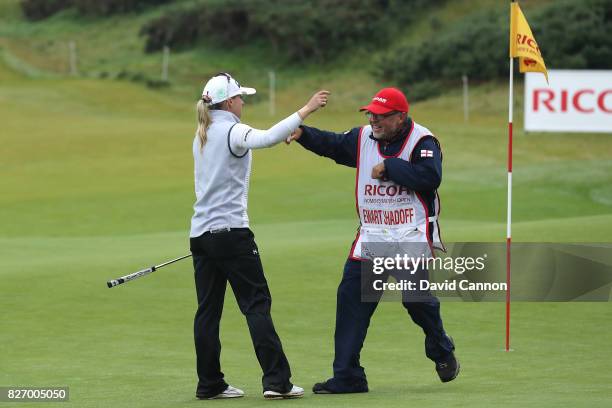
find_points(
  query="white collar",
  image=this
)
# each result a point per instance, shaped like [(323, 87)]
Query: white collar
[(224, 115)]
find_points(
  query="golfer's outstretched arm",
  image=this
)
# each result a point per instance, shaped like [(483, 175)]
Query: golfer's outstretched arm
[(244, 137)]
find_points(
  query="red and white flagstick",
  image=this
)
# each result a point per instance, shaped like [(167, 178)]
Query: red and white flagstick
[(509, 228)]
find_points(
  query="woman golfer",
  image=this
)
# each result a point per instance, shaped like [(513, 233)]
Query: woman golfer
[(222, 244)]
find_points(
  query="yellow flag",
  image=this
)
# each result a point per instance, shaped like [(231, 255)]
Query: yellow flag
[(523, 44)]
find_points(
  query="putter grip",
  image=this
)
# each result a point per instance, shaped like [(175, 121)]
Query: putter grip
[(114, 282), (130, 277)]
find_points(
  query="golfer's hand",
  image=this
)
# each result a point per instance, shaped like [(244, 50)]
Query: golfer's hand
[(378, 171), (297, 133), (318, 100)]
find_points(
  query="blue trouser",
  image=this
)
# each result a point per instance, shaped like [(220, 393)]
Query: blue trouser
[(353, 318)]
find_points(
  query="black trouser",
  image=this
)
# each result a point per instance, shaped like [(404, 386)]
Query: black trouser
[(353, 319), (233, 256)]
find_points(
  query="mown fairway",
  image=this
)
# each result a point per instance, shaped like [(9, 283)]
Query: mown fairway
[(96, 181)]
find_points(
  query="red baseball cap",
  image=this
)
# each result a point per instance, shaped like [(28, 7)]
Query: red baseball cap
[(387, 100)]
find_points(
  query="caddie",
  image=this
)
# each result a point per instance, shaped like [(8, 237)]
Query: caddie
[(399, 169)]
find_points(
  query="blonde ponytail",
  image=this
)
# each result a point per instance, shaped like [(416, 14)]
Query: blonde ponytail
[(204, 121)]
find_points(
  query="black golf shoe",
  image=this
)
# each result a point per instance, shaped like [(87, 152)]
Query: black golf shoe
[(333, 386), (321, 388), (448, 369)]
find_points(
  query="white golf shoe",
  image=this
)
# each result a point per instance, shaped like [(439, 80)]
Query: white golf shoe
[(296, 392), (230, 392)]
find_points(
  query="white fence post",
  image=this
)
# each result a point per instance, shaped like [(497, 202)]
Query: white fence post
[(72, 57), (165, 62), (466, 99), (272, 78)]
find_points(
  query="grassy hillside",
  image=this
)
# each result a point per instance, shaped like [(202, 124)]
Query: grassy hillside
[(97, 182), (109, 46)]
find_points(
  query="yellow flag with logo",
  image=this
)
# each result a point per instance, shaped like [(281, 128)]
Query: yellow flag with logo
[(523, 44)]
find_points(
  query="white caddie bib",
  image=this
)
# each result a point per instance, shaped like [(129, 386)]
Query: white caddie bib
[(389, 212)]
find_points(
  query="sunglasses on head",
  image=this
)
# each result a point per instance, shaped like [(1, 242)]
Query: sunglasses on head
[(229, 78)]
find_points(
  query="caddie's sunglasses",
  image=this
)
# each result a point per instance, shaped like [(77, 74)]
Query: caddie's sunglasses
[(376, 116)]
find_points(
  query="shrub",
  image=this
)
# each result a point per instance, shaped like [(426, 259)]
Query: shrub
[(35, 10), (318, 30), (108, 7), (570, 35), (226, 20), (40, 9), (576, 34), (474, 47)]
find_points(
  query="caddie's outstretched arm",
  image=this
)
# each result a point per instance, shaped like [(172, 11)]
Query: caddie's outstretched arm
[(340, 147)]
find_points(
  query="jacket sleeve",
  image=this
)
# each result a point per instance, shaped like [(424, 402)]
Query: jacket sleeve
[(243, 137), (340, 147), (423, 172)]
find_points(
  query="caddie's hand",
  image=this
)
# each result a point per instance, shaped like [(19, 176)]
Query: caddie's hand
[(318, 100), (297, 133), (378, 171)]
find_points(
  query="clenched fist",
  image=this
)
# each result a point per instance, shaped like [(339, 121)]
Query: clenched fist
[(318, 100)]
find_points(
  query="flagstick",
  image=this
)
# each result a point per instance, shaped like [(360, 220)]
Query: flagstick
[(518, 22), (509, 228)]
